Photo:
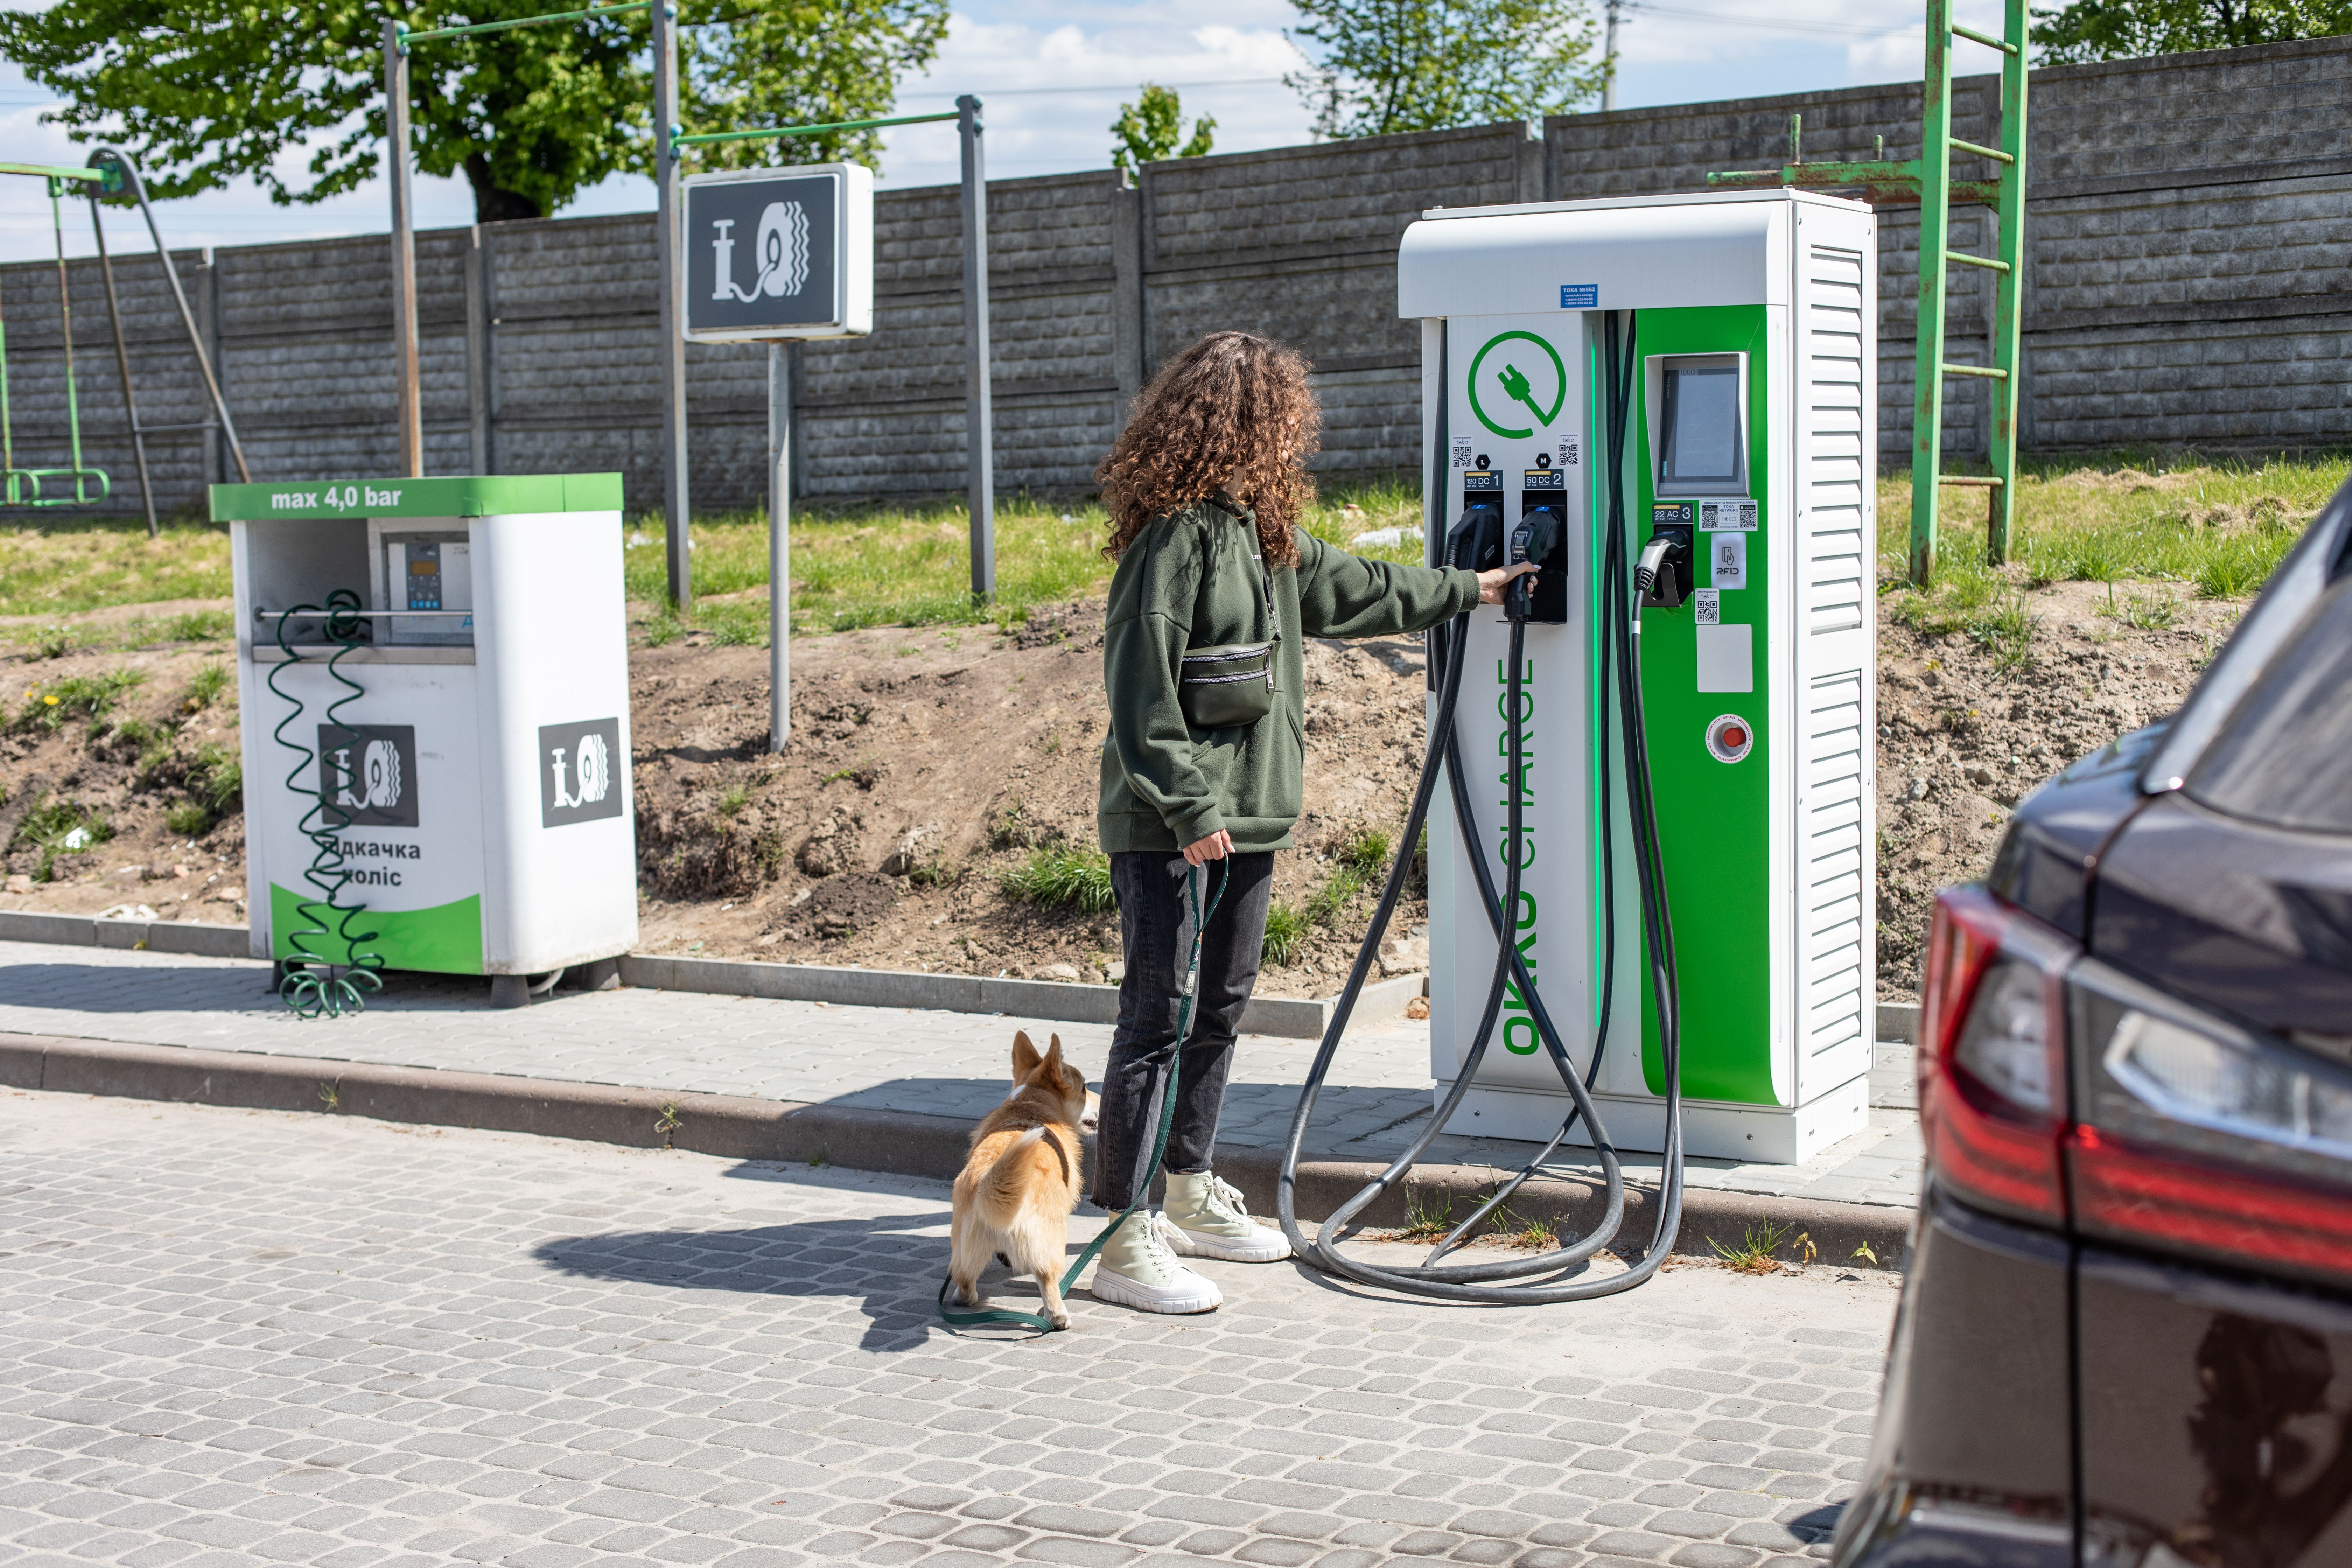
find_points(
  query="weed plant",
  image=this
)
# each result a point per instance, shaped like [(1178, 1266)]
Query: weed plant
[(1754, 1253), (56, 826), (1061, 876), (1287, 926), (1428, 1215), (205, 688), (54, 704)]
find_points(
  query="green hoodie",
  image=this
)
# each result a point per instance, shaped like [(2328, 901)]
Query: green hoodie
[(1190, 579)]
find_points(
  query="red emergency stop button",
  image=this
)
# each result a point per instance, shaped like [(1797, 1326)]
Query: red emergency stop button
[(1730, 738)]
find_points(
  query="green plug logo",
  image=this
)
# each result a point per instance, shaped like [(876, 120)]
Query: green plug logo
[(1516, 386)]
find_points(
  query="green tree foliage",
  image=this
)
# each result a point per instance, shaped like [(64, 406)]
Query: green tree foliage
[(1385, 66), (2122, 29), (1154, 129), (207, 91)]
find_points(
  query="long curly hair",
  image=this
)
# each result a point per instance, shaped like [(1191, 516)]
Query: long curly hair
[(1233, 413)]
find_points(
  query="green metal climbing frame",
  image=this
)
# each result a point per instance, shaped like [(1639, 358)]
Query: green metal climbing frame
[(1927, 181)]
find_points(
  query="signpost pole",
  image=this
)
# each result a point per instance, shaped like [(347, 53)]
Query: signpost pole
[(675, 514), (780, 545), (404, 253), (979, 417)]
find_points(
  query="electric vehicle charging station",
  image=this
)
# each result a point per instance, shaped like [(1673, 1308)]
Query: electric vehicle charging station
[(434, 679), (1748, 486)]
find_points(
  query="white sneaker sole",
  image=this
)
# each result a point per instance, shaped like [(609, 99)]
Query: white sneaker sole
[(1181, 1300), (1226, 1248)]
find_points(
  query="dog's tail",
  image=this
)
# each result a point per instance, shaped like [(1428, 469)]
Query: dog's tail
[(997, 1195)]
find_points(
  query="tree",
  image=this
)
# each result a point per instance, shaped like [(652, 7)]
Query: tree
[(1383, 66), (1152, 130), (2119, 30), (204, 93)]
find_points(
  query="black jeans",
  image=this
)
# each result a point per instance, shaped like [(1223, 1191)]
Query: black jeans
[(1153, 914)]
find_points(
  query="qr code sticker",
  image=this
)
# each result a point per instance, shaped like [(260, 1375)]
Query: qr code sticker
[(1460, 454), (1710, 605), (1568, 453)]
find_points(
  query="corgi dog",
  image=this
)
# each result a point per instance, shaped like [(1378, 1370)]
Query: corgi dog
[(1020, 1182)]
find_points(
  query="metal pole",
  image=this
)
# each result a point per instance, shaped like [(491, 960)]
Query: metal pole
[(1934, 222), (979, 417), (404, 253), (1609, 60), (780, 545), (122, 364), (2009, 248), (677, 515), (137, 184)]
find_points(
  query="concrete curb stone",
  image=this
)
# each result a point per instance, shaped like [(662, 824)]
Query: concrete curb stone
[(896, 1141)]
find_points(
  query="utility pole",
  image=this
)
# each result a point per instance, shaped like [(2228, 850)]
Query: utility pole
[(676, 516), (1609, 58), (779, 543), (404, 251), (979, 420)]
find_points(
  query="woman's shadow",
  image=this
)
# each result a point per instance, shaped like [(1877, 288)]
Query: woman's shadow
[(885, 1263)]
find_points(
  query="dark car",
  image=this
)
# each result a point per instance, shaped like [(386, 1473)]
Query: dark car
[(2125, 1340)]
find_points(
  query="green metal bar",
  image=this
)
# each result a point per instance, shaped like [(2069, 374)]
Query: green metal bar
[(407, 37), (1974, 37), (1965, 260), (679, 138), (1988, 371), (2008, 395), (1995, 153), (55, 172), (7, 432), (1972, 481), (1935, 225)]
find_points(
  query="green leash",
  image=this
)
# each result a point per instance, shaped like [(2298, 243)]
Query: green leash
[(983, 1317)]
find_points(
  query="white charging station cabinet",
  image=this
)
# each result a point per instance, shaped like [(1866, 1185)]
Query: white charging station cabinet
[(1753, 428), (469, 758)]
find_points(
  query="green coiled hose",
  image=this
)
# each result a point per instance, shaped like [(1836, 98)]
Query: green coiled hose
[(317, 985)]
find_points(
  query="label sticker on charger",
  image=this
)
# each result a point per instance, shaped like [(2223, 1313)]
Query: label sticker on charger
[(1717, 516), (1569, 452), (1462, 453), (1707, 603), (1726, 560)]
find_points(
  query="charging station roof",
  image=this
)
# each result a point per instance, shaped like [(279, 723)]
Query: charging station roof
[(1642, 253)]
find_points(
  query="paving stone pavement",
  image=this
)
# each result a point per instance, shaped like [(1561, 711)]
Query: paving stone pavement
[(947, 1063), (232, 1338)]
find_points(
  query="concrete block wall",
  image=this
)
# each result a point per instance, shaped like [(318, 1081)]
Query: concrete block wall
[(2189, 280)]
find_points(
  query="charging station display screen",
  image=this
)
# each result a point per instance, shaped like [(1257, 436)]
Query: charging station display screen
[(1702, 425)]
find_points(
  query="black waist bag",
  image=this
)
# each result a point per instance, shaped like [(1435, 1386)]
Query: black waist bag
[(1231, 686)]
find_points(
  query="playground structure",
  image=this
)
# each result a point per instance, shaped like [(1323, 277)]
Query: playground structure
[(1927, 182), (671, 141), (108, 172)]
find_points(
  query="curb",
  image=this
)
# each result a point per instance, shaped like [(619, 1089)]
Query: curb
[(1050, 1001), (898, 1142)]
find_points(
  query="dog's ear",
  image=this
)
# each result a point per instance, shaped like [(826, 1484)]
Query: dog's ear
[(1053, 1051), (1025, 1055)]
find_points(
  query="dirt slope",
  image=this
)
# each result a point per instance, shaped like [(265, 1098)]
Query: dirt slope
[(925, 763)]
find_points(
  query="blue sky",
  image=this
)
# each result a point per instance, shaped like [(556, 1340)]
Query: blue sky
[(1053, 74)]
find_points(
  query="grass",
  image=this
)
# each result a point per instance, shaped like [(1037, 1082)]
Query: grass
[(85, 563), (1754, 1253), (57, 826), (2218, 524), (910, 565), (1061, 876), (1428, 1217), (54, 704), (734, 798), (1522, 1231), (1287, 926)]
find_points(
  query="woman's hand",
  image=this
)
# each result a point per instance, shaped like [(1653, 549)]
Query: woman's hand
[(1215, 846), (1491, 584)]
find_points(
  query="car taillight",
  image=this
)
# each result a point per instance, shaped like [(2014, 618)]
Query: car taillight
[(1992, 1079), (2200, 1136)]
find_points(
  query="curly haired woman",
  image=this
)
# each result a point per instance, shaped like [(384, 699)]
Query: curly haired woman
[(1204, 488)]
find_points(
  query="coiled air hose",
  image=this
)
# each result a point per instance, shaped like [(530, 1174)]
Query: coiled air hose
[(1567, 1278), (317, 983)]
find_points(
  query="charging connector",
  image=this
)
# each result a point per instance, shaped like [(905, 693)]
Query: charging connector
[(1663, 574)]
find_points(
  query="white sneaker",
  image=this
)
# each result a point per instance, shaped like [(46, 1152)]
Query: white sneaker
[(1207, 1219), (1136, 1269)]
